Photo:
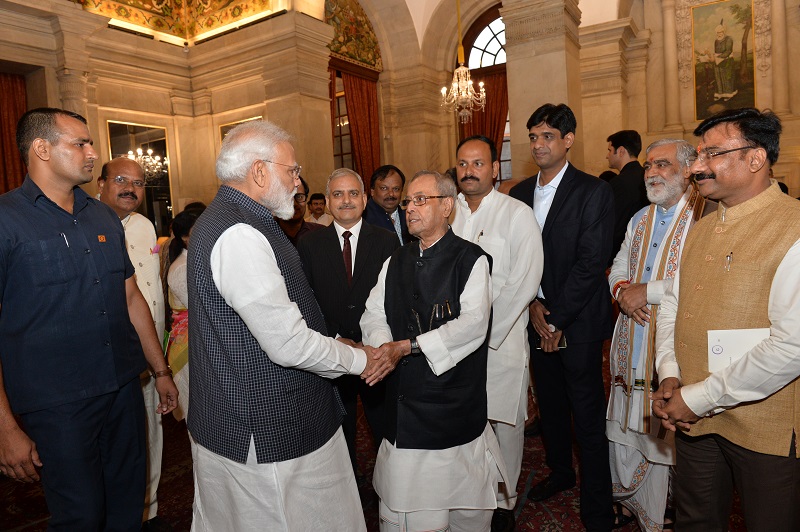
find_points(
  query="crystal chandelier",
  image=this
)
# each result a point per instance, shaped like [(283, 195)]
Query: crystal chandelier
[(154, 166), (462, 97)]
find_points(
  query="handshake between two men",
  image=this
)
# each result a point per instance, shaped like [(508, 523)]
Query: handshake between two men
[(382, 360)]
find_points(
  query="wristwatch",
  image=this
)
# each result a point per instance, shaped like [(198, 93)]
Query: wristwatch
[(415, 350), (552, 327)]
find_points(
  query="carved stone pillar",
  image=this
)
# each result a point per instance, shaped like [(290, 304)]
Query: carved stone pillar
[(295, 81), (613, 86), (71, 29), (418, 134), (73, 87), (780, 63), (671, 80), (543, 66)]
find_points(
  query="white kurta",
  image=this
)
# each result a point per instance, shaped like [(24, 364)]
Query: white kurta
[(141, 243), (140, 239), (506, 229), (465, 476), (312, 492), (762, 371)]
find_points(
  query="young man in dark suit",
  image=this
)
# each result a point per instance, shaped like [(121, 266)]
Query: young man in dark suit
[(341, 289), (628, 187), (576, 214)]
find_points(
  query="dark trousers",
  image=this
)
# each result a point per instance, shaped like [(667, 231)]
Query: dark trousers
[(569, 388), (708, 468), (93, 455), (372, 398)]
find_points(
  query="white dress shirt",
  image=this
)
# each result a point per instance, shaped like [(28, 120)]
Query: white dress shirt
[(246, 273), (506, 229), (355, 232), (543, 200), (762, 371)]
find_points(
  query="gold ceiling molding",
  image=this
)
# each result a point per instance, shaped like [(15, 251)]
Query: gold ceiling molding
[(179, 21), (189, 21)]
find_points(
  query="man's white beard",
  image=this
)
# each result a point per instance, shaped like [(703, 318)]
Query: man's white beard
[(278, 200), (672, 190)]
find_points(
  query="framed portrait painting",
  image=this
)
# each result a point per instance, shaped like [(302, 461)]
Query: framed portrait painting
[(723, 52)]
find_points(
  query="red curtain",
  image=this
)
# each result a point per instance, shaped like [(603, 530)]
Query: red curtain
[(361, 96), (13, 105), (492, 121)]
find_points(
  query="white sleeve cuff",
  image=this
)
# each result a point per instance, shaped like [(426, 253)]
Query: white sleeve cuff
[(436, 352)]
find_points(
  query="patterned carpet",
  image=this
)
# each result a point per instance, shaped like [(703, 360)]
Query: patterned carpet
[(22, 506)]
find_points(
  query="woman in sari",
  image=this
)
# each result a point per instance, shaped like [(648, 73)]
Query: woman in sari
[(178, 346)]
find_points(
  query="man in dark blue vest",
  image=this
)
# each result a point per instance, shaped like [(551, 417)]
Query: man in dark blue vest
[(439, 463), (263, 416)]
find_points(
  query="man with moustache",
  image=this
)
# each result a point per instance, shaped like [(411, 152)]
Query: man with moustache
[(316, 210), (642, 271), (121, 184), (437, 467), (506, 229), (74, 335), (576, 214), (383, 208), (738, 287), (342, 262), (264, 417), (296, 226)]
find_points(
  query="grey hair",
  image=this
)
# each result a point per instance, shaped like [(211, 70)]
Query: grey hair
[(245, 144), (686, 153), (444, 184), (341, 172)]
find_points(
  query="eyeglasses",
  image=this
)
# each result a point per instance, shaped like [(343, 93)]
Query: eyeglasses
[(704, 155), (419, 200), (300, 198), (121, 180), (294, 170)]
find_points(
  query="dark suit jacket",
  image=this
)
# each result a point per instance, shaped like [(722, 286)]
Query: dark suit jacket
[(322, 260), (630, 195), (375, 215), (577, 246)]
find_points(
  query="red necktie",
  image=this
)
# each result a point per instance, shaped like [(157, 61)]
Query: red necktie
[(348, 257)]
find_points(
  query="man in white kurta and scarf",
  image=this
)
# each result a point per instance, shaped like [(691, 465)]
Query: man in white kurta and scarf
[(507, 230), (121, 186), (642, 271), (439, 465)]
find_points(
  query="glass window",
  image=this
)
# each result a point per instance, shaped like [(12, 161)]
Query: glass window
[(505, 154), (489, 47), (342, 152)]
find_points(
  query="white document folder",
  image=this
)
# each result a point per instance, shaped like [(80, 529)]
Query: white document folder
[(726, 346)]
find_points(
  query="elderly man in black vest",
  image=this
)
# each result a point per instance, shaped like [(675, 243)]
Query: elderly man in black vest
[(439, 462), (264, 418)]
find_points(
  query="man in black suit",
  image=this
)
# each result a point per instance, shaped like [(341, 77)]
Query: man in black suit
[(383, 208), (342, 295), (630, 194), (576, 214)]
